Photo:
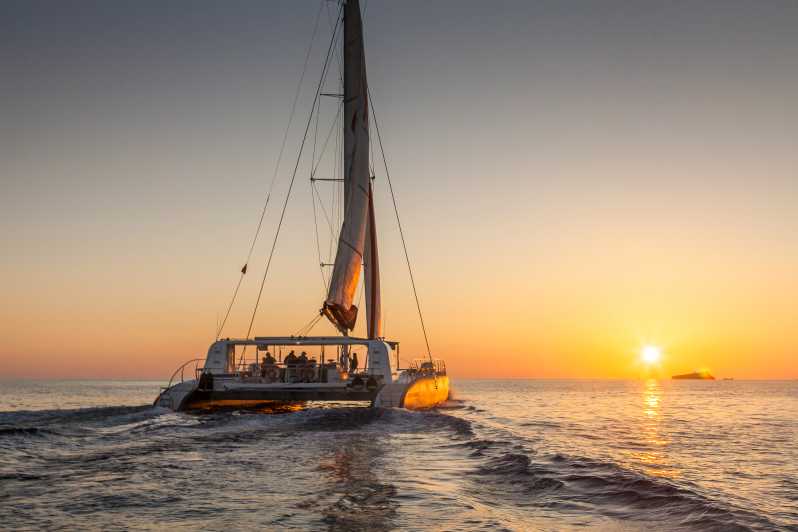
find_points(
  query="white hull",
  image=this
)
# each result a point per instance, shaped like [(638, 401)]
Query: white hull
[(421, 393), (225, 379)]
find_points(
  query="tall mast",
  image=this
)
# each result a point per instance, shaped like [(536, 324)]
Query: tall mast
[(372, 274), (357, 240)]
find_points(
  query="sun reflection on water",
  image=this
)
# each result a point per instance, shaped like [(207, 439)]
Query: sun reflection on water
[(652, 453), (651, 398)]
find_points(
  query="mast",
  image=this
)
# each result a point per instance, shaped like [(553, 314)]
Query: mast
[(371, 265), (357, 240)]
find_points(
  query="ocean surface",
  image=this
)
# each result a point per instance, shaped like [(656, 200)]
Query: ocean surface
[(501, 455)]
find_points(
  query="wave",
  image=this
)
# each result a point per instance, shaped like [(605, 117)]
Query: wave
[(521, 473), (518, 471), (24, 431), (106, 414), (386, 420), (452, 404), (576, 484)]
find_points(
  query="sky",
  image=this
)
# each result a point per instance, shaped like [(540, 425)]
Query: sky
[(576, 180)]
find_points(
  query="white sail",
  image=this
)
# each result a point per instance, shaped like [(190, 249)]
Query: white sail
[(339, 307)]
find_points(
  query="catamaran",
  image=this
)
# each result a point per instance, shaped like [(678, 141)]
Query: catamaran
[(264, 370)]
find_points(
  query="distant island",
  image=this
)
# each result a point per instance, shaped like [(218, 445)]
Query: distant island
[(696, 375)]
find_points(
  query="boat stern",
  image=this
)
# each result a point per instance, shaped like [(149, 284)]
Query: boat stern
[(423, 386), (175, 397)]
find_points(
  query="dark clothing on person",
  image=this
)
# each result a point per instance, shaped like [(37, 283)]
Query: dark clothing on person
[(353, 363)]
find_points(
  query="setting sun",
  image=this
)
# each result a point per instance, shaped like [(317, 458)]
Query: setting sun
[(651, 354)]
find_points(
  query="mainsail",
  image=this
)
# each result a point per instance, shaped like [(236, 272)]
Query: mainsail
[(357, 241)]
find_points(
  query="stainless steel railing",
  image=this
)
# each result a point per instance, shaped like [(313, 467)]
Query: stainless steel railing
[(425, 366), (181, 371)]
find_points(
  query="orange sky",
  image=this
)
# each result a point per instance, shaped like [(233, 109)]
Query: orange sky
[(570, 190)]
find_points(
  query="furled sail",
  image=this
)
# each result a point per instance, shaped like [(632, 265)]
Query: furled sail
[(338, 306)]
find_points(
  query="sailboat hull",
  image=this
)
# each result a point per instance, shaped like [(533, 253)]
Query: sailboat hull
[(422, 393), (426, 393), (422, 385)]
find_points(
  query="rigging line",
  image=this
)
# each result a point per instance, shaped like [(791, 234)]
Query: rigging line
[(290, 120), (318, 243), (312, 325), (276, 170), (330, 22), (333, 127), (315, 141), (324, 211), (340, 61), (232, 301), (313, 191), (293, 175), (399, 223), (313, 198), (308, 326), (339, 194)]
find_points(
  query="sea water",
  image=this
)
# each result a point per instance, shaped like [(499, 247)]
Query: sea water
[(501, 455)]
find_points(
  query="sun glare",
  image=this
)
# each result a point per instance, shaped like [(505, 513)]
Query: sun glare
[(651, 354)]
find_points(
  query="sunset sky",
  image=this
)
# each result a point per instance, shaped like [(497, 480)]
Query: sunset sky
[(575, 182)]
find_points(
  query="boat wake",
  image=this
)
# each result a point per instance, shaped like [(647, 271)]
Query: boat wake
[(351, 468)]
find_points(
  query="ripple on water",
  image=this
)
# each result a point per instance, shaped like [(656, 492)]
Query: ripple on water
[(509, 456)]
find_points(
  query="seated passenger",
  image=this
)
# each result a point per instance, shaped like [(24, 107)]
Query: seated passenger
[(269, 359), (290, 362), (304, 375)]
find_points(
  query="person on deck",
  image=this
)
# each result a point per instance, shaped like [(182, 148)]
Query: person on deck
[(303, 367), (353, 363), (267, 367), (291, 362)]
